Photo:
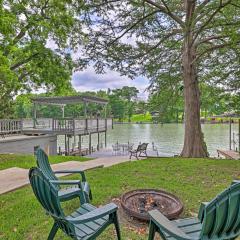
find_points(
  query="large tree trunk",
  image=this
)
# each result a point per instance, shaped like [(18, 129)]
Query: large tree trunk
[(194, 145)]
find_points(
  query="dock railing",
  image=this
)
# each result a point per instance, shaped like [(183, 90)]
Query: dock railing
[(55, 125), (39, 123), (10, 126), (64, 124)]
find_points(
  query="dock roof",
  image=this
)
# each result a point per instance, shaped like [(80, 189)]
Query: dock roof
[(69, 100)]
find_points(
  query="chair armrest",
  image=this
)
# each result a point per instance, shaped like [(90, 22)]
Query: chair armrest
[(235, 181), (167, 226), (95, 214), (201, 210), (67, 182), (73, 171)]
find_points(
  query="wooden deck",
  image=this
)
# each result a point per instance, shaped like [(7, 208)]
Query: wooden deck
[(229, 154), (64, 126)]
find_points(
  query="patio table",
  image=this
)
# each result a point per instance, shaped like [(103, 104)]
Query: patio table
[(124, 147)]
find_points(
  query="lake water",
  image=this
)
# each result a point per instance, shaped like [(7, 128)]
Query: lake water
[(168, 138)]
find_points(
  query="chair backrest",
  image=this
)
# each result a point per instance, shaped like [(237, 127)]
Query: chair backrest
[(139, 147), (221, 217), (44, 165), (47, 195), (143, 146)]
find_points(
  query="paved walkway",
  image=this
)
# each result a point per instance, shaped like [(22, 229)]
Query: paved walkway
[(14, 178)]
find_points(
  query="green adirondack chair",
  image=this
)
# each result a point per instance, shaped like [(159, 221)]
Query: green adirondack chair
[(86, 223), (65, 194), (217, 220)]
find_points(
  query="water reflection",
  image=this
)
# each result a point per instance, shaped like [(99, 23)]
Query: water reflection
[(167, 137)]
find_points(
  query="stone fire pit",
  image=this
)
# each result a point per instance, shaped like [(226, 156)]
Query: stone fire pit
[(137, 203)]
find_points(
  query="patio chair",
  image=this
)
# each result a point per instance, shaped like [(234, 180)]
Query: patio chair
[(141, 149), (86, 223), (65, 194), (217, 220)]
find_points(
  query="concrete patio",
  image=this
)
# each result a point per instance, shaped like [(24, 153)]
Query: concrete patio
[(14, 178)]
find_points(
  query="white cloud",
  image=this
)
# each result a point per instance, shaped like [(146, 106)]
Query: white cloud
[(88, 80)]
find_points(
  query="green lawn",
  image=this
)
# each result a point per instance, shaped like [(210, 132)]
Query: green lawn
[(141, 117), (138, 118), (27, 161), (193, 180)]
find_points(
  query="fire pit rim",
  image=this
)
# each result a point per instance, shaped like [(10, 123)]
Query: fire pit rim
[(144, 216)]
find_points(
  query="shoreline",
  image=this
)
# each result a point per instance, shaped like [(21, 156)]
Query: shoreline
[(160, 123)]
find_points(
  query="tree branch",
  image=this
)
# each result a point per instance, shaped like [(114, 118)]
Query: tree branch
[(21, 34), (211, 17), (235, 5), (131, 27), (206, 40), (104, 3), (212, 49), (19, 64), (202, 5), (167, 11), (175, 31)]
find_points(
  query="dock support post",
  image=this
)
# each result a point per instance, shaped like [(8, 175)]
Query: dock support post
[(105, 132), (59, 150), (63, 111), (34, 115), (97, 134), (65, 144), (79, 144), (98, 141), (105, 111), (85, 109), (230, 134), (86, 125), (90, 144), (105, 139), (68, 147)]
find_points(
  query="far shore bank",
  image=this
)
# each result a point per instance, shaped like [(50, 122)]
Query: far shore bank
[(161, 123)]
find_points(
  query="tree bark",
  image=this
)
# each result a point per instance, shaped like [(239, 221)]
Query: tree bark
[(194, 145)]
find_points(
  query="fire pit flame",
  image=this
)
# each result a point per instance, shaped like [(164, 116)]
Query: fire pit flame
[(147, 203)]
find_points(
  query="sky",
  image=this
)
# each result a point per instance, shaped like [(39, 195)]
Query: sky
[(88, 80)]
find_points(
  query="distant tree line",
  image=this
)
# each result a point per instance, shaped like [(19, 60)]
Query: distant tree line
[(165, 104), (122, 105), (167, 101)]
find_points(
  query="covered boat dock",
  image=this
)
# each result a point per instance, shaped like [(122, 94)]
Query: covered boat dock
[(67, 126)]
